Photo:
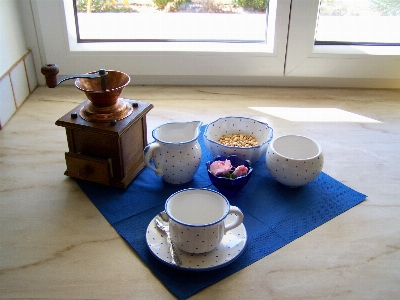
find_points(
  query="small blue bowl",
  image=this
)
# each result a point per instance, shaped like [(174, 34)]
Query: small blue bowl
[(229, 186)]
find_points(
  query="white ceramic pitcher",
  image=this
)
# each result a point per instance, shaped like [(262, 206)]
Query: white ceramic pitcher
[(176, 152)]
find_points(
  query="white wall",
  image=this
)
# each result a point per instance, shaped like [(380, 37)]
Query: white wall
[(17, 70), (12, 38)]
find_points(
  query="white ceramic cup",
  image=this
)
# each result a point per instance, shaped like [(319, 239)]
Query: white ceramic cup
[(196, 219)]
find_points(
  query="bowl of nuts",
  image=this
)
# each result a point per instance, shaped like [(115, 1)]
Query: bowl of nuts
[(245, 137)]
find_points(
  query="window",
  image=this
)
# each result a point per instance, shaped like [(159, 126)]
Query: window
[(291, 54), (362, 22), (163, 62), (160, 20)]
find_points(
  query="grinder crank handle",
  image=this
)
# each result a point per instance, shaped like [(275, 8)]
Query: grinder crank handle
[(50, 72)]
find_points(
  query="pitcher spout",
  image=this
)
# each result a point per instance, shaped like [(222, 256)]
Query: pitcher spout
[(177, 132), (195, 126)]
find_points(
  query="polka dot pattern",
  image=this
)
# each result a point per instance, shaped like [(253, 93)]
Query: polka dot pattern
[(179, 163), (202, 238)]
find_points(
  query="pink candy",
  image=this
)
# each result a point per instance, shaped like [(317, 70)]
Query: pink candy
[(224, 168), (219, 167)]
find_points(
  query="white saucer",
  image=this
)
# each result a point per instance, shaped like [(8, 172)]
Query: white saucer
[(228, 250)]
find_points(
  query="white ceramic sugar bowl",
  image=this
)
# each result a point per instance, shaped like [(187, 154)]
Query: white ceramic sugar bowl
[(294, 160)]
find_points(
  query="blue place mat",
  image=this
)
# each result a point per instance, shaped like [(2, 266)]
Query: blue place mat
[(274, 216)]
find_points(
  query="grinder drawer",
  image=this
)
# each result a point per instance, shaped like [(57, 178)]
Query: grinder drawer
[(88, 168)]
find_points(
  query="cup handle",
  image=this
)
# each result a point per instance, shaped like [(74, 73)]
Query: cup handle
[(147, 154), (237, 221)]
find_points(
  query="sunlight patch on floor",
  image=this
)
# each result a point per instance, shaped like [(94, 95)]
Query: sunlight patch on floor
[(304, 114)]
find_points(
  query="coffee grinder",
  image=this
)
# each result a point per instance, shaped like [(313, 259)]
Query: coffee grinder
[(106, 134)]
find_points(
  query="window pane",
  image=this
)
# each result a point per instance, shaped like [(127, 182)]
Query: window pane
[(171, 20), (358, 22)]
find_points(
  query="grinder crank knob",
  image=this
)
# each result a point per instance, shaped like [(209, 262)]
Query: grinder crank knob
[(50, 72)]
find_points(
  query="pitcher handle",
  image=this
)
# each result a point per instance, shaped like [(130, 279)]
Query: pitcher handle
[(237, 221), (147, 154)]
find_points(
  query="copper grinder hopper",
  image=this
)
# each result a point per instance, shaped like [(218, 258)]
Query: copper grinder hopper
[(102, 89)]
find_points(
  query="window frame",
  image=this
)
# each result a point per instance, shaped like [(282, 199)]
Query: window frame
[(305, 59), (293, 60)]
